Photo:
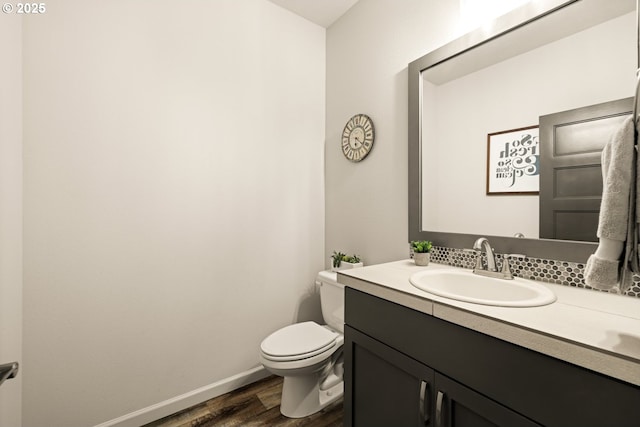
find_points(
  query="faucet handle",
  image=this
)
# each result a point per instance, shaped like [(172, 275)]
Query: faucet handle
[(506, 268)]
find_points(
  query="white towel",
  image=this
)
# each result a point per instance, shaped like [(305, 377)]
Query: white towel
[(630, 260), (613, 261)]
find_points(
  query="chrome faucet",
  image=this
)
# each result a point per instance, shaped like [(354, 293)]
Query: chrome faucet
[(479, 245), (482, 244)]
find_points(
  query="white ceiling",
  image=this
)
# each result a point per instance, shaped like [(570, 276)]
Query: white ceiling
[(322, 12)]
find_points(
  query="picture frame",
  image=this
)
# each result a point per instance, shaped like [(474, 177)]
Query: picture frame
[(513, 162)]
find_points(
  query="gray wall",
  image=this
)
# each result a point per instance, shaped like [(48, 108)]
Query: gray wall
[(11, 214)]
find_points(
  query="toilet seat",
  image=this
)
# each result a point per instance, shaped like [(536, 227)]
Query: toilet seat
[(298, 341)]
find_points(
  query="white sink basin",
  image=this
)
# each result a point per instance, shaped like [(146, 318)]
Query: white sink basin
[(465, 286)]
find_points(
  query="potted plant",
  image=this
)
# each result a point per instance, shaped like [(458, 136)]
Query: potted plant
[(341, 261), (421, 252)]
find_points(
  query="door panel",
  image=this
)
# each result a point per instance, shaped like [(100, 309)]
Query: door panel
[(570, 168), (387, 387), (459, 406)]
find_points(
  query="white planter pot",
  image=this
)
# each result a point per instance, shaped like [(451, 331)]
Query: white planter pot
[(346, 265), (422, 259)]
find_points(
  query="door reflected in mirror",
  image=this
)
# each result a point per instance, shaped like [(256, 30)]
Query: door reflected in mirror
[(571, 174)]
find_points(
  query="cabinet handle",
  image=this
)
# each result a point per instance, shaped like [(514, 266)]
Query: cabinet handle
[(424, 410), (439, 400)]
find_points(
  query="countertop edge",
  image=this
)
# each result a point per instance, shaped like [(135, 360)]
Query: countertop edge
[(393, 295), (615, 366)]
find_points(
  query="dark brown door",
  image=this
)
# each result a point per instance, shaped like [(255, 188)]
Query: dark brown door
[(459, 406), (570, 170), (384, 387)]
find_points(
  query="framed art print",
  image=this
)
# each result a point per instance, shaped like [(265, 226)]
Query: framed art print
[(513, 162)]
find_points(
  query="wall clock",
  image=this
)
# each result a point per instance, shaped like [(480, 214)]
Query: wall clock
[(357, 137)]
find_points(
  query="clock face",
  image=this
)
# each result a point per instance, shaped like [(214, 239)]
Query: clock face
[(357, 137)]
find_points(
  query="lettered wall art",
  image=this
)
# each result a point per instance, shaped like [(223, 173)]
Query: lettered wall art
[(513, 162)]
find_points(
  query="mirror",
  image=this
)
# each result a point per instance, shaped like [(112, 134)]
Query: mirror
[(542, 58)]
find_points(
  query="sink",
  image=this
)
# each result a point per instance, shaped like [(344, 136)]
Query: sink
[(468, 287)]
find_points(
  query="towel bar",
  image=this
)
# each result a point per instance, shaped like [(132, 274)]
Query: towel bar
[(8, 371)]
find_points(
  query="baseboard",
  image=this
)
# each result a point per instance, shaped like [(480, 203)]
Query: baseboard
[(184, 401)]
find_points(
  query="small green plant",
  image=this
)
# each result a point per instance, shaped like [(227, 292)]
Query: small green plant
[(421, 247), (338, 257), (354, 259)]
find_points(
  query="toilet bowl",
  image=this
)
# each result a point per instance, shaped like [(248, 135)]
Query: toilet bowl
[(309, 356)]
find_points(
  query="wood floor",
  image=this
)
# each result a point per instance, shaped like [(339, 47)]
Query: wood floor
[(254, 405)]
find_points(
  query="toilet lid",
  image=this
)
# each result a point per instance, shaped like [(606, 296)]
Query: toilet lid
[(304, 339)]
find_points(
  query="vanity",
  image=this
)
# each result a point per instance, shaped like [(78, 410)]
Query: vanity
[(413, 358), (419, 358)]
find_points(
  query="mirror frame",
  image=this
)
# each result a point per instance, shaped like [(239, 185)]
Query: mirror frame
[(564, 250)]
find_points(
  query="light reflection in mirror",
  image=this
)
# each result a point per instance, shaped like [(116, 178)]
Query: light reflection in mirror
[(474, 13)]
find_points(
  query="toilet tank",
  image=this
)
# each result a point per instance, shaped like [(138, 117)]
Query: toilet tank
[(331, 299)]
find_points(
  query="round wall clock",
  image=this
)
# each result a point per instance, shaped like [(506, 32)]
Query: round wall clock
[(357, 137)]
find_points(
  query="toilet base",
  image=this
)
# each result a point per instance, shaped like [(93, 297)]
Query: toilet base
[(301, 395)]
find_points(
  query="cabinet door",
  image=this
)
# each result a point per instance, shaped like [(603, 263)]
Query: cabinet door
[(384, 387), (459, 406)]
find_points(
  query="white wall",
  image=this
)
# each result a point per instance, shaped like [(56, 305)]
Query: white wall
[(11, 214), (368, 51), (173, 197)]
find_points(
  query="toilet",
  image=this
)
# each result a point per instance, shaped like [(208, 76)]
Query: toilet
[(309, 355)]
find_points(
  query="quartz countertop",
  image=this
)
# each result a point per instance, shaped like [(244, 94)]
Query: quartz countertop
[(592, 329)]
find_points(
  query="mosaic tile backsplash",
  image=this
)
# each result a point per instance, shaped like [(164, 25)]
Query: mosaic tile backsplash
[(544, 270)]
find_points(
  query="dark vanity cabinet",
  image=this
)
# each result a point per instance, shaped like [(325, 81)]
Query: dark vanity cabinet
[(385, 378), (389, 388), (406, 368)]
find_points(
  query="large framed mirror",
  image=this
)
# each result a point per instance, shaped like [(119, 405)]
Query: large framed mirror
[(544, 58)]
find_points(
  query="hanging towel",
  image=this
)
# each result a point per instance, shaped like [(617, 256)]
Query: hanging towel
[(611, 264), (630, 260)]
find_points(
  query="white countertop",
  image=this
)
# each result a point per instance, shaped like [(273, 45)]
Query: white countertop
[(592, 329)]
